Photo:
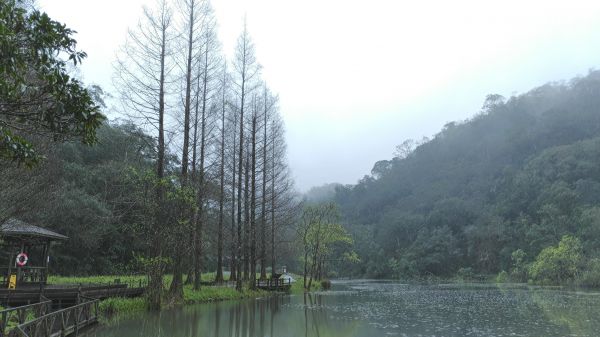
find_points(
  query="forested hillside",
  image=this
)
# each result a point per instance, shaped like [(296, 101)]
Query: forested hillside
[(517, 177), (84, 192)]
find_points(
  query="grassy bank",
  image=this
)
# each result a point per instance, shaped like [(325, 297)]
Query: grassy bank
[(298, 286), (123, 306)]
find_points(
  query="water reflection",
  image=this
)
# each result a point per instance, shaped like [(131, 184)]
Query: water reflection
[(370, 309)]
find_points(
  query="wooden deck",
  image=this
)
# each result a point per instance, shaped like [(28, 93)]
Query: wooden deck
[(58, 310), (67, 295)]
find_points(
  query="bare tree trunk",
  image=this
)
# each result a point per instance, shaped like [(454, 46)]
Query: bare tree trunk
[(176, 289), (246, 216), (305, 267), (233, 273), (192, 272), (200, 220), (246, 69), (253, 207), (273, 257), (219, 275), (144, 93), (156, 275), (263, 216), (238, 284)]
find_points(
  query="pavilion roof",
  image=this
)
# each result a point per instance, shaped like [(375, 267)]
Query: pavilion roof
[(17, 228)]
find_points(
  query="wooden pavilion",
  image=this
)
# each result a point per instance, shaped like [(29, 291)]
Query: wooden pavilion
[(28, 249)]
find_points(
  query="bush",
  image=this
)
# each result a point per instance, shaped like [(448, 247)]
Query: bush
[(519, 270), (120, 305), (502, 277), (591, 276), (557, 265), (325, 284), (466, 274)]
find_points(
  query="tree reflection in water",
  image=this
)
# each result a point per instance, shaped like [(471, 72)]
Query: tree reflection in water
[(370, 309)]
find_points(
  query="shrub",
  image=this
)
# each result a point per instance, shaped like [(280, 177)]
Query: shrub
[(325, 284), (519, 270), (465, 274), (502, 277), (590, 277), (557, 265), (119, 305)]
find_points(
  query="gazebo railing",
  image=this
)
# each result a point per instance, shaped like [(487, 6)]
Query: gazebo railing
[(32, 274), (27, 275)]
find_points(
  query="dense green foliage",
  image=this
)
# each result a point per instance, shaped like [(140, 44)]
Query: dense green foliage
[(85, 193), (517, 177), (37, 94), (555, 265), (322, 240)]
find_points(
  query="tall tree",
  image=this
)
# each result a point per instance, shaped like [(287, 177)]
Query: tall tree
[(189, 10), (209, 65), (268, 104), (223, 132), (246, 71), (252, 222), (283, 204), (233, 260), (142, 71)]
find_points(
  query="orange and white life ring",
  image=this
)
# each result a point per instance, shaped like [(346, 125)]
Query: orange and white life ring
[(22, 259)]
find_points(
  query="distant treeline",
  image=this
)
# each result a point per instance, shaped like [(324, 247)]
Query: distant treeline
[(488, 194)]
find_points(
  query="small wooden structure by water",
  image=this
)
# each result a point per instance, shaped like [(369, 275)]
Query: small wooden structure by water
[(58, 310), (274, 284), (20, 239), (31, 277)]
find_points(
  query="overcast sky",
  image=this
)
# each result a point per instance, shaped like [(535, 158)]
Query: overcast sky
[(356, 78)]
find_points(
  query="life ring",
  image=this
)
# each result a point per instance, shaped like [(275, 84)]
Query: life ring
[(22, 259)]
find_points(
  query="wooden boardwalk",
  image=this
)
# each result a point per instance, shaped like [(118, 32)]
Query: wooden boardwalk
[(62, 296), (37, 320), (56, 310), (19, 315)]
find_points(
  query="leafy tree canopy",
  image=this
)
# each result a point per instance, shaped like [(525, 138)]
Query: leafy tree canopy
[(37, 94)]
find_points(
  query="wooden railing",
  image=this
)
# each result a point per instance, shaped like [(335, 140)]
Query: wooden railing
[(20, 315), (273, 283), (62, 322)]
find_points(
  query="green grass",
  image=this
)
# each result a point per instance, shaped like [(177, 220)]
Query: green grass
[(116, 305), (120, 307), (298, 286), (212, 294), (104, 279), (53, 279)]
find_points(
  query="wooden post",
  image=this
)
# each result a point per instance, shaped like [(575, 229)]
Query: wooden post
[(10, 260), (19, 273), (46, 256)]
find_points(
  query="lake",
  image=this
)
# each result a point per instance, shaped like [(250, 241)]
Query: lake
[(366, 308)]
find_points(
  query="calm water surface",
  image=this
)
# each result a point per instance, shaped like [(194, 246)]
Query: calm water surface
[(371, 309)]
